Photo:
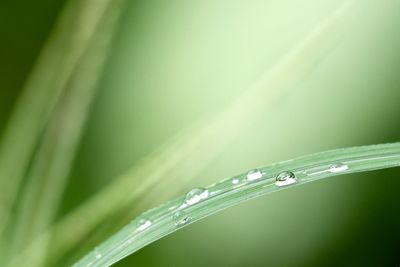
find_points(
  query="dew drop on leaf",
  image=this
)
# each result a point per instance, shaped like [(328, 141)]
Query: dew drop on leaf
[(97, 254), (253, 175), (143, 224), (285, 178), (235, 181), (180, 218), (338, 167), (196, 195)]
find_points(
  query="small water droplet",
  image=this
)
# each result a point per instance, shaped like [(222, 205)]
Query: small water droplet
[(338, 167), (196, 195), (180, 218), (254, 175), (285, 178), (143, 224), (235, 181), (97, 254)]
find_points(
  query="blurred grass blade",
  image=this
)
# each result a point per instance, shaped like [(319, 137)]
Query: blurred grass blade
[(51, 165), (42, 90), (172, 216), (190, 152)]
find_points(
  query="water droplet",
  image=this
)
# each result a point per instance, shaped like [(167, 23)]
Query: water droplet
[(97, 254), (235, 181), (143, 224), (285, 178), (180, 218), (254, 175), (196, 195), (338, 167)]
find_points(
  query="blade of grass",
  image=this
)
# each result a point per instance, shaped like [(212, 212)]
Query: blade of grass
[(42, 90), (198, 145), (52, 163), (175, 214)]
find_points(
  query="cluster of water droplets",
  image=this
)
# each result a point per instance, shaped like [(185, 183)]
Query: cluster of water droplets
[(193, 197), (180, 216), (282, 179)]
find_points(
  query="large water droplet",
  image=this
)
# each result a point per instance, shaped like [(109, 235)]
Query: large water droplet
[(285, 178), (254, 175), (338, 167), (196, 195), (180, 218), (143, 224)]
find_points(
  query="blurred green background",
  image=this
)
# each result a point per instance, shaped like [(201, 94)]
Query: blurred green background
[(174, 63)]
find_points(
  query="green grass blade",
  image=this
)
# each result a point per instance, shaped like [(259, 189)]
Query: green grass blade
[(42, 90), (172, 216), (53, 160)]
